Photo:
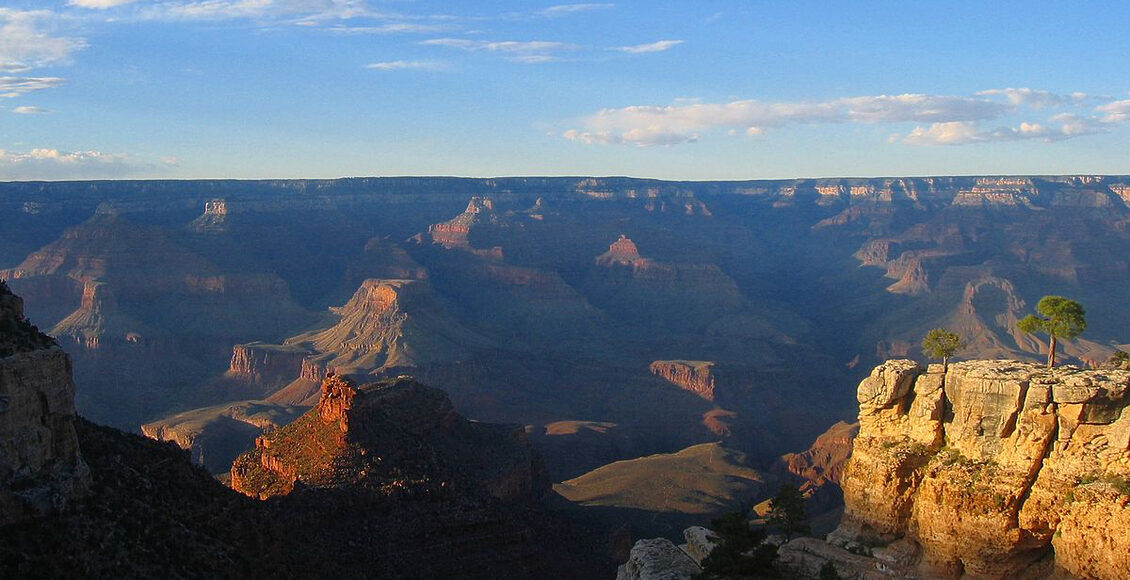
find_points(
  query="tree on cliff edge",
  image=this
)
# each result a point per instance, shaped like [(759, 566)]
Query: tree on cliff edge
[(1059, 318), (941, 343)]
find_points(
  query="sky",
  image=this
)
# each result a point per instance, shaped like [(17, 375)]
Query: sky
[(694, 89)]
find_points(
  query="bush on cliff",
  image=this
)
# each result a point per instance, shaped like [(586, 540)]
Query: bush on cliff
[(741, 551)]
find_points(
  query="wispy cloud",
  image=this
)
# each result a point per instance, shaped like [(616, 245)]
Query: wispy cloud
[(658, 46), (28, 39), (393, 65), (29, 110), (18, 86), (393, 28), (567, 9), (943, 119), (306, 11), (532, 51), (99, 4)]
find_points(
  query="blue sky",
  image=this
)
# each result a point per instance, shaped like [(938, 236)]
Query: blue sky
[(706, 89)]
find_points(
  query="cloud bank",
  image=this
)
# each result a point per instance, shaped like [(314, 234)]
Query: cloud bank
[(46, 163), (939, 119)]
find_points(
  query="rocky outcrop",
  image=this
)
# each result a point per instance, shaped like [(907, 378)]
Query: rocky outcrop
[(41, 468), (989, 469), (694, 376), (657, 559), (456, 232), (622, 251), (395, 437), (213, 220)]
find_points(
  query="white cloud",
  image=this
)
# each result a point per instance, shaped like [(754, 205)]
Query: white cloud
[(99, 4), (1064, 126), (1035, 98), (1115, 112), (404, 65), (666, 125), (29, 110), (949, 133), (392, 28), (17, 86), (28, 40), (566, 9), (658, 46), (46, 163), (941, 119), (529, 52), (310, 12)]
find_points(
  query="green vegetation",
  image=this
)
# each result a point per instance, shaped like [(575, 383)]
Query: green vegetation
[(741, 552), (1119, 360), (1119, 483), (787, 511), (941, 343), (828, 572), (1059, 318)]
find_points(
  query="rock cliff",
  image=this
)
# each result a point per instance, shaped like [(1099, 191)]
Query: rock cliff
[(992, 469), (41, 468), (694, 376), (395, 437)]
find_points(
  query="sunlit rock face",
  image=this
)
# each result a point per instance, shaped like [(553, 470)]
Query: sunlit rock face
[(41, 468), (390, 437), (990, 468), (694, 376)]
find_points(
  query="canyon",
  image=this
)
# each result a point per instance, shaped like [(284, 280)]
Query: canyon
[(620, 327)]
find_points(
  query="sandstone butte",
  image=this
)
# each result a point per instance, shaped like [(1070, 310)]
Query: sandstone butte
[(993, 469), (392, 437), (41, 469)]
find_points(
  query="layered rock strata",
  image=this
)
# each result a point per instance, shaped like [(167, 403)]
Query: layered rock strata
[(990, 470), (41, 468)]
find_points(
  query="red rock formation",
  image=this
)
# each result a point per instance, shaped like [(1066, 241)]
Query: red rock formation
[(694, 376), (390, 437), (622, 251), (455, 232)]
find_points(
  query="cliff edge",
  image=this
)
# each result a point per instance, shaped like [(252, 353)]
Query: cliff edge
[(991, 469), (41, 468)]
